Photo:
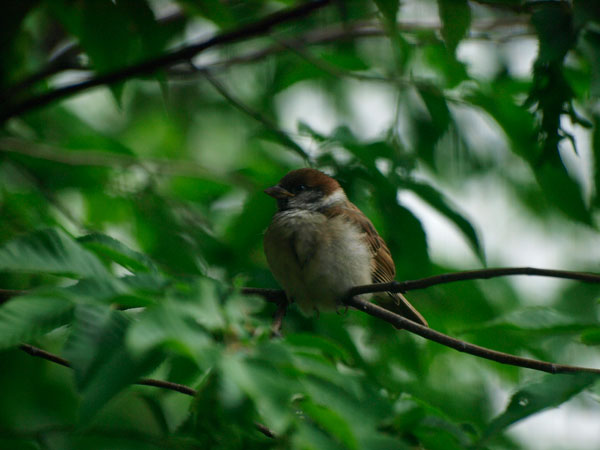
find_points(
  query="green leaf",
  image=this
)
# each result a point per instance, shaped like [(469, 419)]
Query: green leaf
[(596, 152), (88, 339), (216, 12), (180, 325), (551, 391), (269, 389), (559, 188), (554, 26), (325, 345), (591, 336), (106, 246), (50, 251), (389, 9), (131, 291), (590, 46), (113, 34), (537, 319), (455, 16), (332, 422), (26, 317), (11, 20), (563, 191), (348, 399), (437, 200), (431, 425), (412, 258), (516, 122), (310, 436), (430, 130), (102, 363)]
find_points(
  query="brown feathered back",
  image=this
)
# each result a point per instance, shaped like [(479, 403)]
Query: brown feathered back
[(384, 270)]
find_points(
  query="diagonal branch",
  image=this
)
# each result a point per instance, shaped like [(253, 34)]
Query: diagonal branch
[(256, 115), (462, 346), (403, 286), (400, 322), (152, 65), (278, 297), (181, 388)]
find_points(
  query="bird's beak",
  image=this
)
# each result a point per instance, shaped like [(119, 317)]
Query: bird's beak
[(278, 192)]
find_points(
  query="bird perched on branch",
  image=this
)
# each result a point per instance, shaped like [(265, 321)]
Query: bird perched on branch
[(319, 245)]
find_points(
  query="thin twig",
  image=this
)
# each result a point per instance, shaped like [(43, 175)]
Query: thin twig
[(462, 346), (277, 296), (403, 286), (99, 158), (39, 353), (264, 430), (270, 295), (181, 388), (66, 58), (254, 114), (168, 385), (260, 27), (278, 318)]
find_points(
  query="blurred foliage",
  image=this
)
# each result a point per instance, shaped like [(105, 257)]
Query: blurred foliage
[(131, 215)]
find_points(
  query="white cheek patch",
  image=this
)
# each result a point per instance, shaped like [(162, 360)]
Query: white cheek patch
[(334, 198)]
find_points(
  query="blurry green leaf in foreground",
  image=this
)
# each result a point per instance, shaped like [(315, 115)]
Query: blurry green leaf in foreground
[(456, 19), (437, 200), (28, 316), (50, 251), (537, 319), (591, 336), (114, 250), (551, 391), (102, 363)]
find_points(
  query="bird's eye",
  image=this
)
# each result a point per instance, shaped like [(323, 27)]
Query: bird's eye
[(300, 188)]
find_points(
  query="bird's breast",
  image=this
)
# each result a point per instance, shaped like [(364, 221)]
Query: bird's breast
[(315, 258)]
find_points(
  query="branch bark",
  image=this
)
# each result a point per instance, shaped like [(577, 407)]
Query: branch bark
[(278, 297), (275, 295), (462, 346), (149, 66), (482, 274), (181, 388)]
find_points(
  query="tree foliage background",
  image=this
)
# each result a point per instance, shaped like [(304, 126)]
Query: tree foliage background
[(132, 164)]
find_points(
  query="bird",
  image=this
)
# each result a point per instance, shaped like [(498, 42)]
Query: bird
[(319, 245)]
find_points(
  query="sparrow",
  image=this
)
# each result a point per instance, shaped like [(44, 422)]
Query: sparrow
[(319, 245)]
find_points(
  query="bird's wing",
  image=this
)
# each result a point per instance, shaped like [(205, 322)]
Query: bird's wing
[(383, 268)]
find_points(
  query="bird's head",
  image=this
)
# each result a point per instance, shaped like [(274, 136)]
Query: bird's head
[(307, 189)]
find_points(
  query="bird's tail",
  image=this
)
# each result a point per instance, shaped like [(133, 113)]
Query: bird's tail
[(397, 303)]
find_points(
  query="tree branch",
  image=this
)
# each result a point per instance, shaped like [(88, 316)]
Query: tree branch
[(64, 59), (163, 166), (278, 297), (403, 286), (181, 388), (462, 346), (254, 114), (398, 321), (149, 66)]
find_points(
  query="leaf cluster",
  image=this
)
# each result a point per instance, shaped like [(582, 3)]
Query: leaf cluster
[(131, 215)]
